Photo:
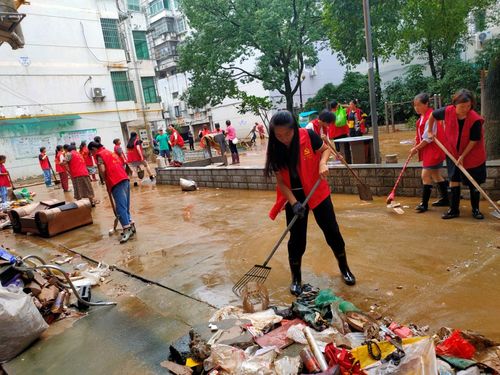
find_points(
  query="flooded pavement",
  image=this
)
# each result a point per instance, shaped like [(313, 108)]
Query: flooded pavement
[(414, 267)]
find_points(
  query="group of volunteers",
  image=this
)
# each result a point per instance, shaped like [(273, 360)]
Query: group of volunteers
[(298, 158), (170, 144), (230, 137)]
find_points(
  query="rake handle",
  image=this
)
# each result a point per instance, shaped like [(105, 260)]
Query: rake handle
[(339, 156), (295, 218), (467, 174)]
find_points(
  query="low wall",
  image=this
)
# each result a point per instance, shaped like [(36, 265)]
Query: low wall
[(380, 178)]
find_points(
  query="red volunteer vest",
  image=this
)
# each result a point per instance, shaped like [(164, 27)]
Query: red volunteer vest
[(44, 164), (77, 167), (59, 168), (204, 132), (477, 155), (431, 154), (360, 119), (114, 168), (316, 126), (308, 169), (179, 142), (4, 180), (133, 154)]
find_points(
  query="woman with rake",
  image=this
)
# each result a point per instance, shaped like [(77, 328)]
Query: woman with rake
[(298, 158)]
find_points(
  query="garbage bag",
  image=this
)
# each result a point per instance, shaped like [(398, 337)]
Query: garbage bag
[(229, 359), (456, 346), (325, 298), (20, 322)]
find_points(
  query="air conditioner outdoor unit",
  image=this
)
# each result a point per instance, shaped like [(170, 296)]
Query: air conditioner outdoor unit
[(482, 37), (97, 94)]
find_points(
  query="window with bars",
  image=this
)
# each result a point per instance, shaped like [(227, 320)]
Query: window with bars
[(134, 5), (149, 90), (122, 87), (157, 6), (181, 25), (164, 25), (141, 45), (110, 32)]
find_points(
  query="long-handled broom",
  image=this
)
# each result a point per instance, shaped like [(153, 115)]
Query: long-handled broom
[(259, 273), (390, 197)]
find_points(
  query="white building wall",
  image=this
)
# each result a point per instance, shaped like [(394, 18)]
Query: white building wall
[(64, 59)]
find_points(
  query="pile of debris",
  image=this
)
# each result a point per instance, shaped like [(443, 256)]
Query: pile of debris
[(34, 293), (321, 333)]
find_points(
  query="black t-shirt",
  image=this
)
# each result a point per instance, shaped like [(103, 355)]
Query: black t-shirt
[(316, 143), (475, 130)]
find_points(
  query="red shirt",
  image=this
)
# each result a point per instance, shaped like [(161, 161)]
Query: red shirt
[(133, 154), (77, 167), (308, 170), (57, 161), (4, 180), (114, 167), (44, 163)]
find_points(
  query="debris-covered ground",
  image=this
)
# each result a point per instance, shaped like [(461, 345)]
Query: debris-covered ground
[(411, 268)]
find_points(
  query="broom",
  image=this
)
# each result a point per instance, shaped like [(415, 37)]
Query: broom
[(390, 197)]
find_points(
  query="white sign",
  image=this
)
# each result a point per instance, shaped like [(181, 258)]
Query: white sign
[(24, 61)]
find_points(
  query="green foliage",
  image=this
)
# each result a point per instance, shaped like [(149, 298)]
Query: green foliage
[(411, 123), (490, 51), (259, 106), (353, 86), (458, 75), (280, 35)]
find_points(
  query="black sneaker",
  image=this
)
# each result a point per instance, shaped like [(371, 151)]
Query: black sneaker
[(450, 214), (421, 208)]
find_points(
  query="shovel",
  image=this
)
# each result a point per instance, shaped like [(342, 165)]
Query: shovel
[(13, 195), (496, 213), (364, 191), (259, 273)]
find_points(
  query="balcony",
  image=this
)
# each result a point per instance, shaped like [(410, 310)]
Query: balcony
[(167, 62)]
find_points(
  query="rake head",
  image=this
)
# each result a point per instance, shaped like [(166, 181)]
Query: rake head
[(257, 274)]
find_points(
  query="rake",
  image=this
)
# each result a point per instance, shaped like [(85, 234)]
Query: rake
[(259, 273)]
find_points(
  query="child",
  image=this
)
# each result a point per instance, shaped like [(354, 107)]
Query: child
[(119, 151), (4, 179), (430, 155), (45, 165)]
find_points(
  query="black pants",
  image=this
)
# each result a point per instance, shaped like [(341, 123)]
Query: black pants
[(325, 217), (233, 148)]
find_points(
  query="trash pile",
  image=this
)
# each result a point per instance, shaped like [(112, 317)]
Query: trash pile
[(34, 293), (18, 198), (321, 333)]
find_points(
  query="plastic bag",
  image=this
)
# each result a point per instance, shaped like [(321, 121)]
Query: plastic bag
[(287, 366), (228, 358), (20, 322), (325, 298), (456, 346), (322, 338), (263, 320), (259, 364), (227, 312)]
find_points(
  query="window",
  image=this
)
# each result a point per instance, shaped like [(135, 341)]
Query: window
[(149, 90), (157, 6), (110, 32), (123, 88), (141, 45), (177, 111), (134, 5), (175, 95), (181, 25), (176, 4), (164, 25)]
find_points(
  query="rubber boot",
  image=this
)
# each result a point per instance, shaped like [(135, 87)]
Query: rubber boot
[(426, 194), (454, 210), (233, 158), (295, 268), (443, 200), (347, 275), (237, 156), (474, 202)]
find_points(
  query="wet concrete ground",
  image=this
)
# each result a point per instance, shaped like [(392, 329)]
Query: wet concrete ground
[(414, 267)]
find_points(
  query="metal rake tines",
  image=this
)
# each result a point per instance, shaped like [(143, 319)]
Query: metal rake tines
[(257, 274)]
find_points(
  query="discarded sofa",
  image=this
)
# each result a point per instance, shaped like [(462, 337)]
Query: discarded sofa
[(51, 217)]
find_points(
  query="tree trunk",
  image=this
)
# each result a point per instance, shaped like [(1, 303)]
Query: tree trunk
[(430, 57), (491, 109), (288, 92)]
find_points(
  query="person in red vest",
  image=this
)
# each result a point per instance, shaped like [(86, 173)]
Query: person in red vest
[(63, 174), (355, 120), (321, 125), (119, 151), (430, 155), (177, 143), (339, 129), (43, 159), (203, 144), (463, 136), (135, 155), (82, 187), (262, 132), (89, 161), (298, 158), (118, 184), (4, 180)]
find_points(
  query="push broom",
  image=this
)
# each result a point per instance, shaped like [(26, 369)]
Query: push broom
[(259, 273), (390, 198)]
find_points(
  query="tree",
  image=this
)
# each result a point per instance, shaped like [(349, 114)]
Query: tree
[(491, 108), (435, 29), (280, 35), (259, 106)]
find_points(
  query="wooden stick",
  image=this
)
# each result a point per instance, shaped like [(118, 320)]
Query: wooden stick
[(467, 174)]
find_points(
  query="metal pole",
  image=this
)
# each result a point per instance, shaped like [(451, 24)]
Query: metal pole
[(371, 79), (392, 117), (386, 110)]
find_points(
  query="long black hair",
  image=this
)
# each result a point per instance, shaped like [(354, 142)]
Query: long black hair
[(278, 155), (132, 139), (58, 148)]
